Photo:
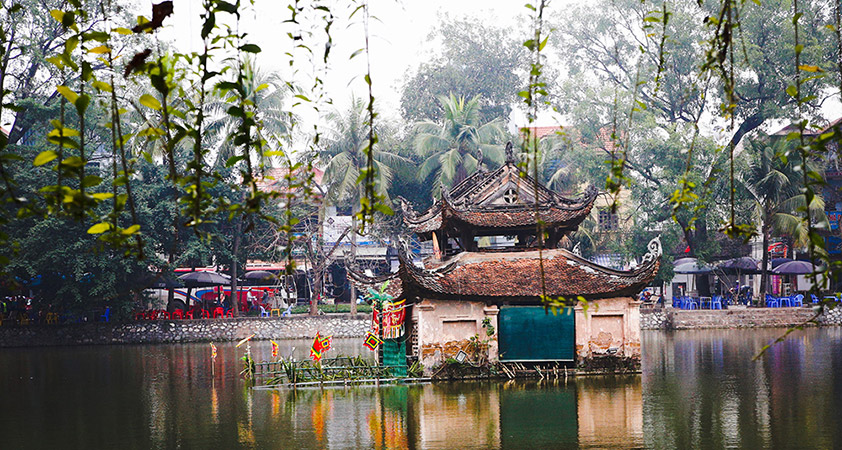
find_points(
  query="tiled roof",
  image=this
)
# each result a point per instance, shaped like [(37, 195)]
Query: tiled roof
[(471, 202), (540, 132), (517, 275), (513, 276)]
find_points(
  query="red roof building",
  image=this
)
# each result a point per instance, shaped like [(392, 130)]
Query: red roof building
[(466, 289)]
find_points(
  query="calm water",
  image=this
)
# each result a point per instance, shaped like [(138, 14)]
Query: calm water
[(697, 390)]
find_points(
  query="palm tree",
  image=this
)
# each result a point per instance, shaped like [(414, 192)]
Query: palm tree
[(557, 168), (267, 93), (344, 153), (774, 189), (458, 146)]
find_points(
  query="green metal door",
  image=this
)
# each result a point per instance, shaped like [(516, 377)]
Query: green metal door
[(530, 333), (394, 356)]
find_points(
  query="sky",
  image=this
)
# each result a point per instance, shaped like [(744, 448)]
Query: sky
[(399, 41)]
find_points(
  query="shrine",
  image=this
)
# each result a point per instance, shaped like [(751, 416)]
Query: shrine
[(484, 286)]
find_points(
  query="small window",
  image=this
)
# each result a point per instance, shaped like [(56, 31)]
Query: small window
[(510, 196), (607, 220)]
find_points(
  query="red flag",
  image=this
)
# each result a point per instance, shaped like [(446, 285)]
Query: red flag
[(316, 349)]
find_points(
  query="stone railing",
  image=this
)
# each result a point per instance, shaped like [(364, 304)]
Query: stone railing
[(677, 319), (168, 331)]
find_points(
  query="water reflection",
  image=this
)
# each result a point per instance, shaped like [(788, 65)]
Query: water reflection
[(702, 389), (698, 390)]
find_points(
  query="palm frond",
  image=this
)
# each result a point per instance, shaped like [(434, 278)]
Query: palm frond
[(450, 162)]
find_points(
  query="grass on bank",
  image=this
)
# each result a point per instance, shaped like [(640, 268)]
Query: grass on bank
[(328, 309)]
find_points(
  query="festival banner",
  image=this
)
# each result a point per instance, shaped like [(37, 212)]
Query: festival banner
[(213, 351), (274, 348), (371, 341), (392, 319)]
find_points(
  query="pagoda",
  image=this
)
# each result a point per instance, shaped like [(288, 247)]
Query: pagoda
[(491, 268)]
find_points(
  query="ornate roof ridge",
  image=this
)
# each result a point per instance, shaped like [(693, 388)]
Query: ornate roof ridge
[(478, 274), (411, 216)]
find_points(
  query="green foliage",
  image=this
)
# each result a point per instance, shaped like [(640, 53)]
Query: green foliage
[(458, 145), (345, 154), (476, 60), (332, 309), (131, 155)]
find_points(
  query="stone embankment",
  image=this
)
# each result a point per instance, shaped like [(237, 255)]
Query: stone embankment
[(173, 331), (677, 319)]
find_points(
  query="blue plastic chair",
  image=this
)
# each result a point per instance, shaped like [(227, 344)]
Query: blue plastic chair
[(786, 301), (815, 299), (288, 311), (263, 312), (716, 302), (107, 314), (798, 300), (771, 302), (691, 304)]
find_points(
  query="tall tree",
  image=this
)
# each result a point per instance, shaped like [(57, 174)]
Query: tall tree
[(266, 93), (773, 187), (476, 60), (345, 155), (636, 75), (457, 145)]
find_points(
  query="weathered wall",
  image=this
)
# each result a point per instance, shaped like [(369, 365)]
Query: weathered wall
[(168, 331), (445, 326), (676, 319), (609, 330)]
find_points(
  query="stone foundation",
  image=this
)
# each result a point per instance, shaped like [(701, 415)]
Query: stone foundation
[(677, 319), (172, 331)]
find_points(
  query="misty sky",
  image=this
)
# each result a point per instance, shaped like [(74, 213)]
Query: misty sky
[(399, 40)]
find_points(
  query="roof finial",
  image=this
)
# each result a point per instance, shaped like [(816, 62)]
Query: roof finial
[(654, 250), (510, 154)]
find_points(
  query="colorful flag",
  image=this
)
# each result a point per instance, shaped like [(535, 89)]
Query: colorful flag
[(274, 348), (327, 342), (213, 351), (316, 349), (392, 319), (372, 341), (320, 345)]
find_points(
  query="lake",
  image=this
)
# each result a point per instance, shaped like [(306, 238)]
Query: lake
[(698, 389)]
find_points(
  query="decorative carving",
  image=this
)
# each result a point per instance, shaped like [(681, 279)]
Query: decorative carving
[(510, 196), (510, 154), (654, 250), (577, 250)]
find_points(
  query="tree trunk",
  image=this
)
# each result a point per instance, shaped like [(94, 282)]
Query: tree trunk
[(764, 267), (747, 126), (315, 292), (171, 262), (354, 253), (235, 301)]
